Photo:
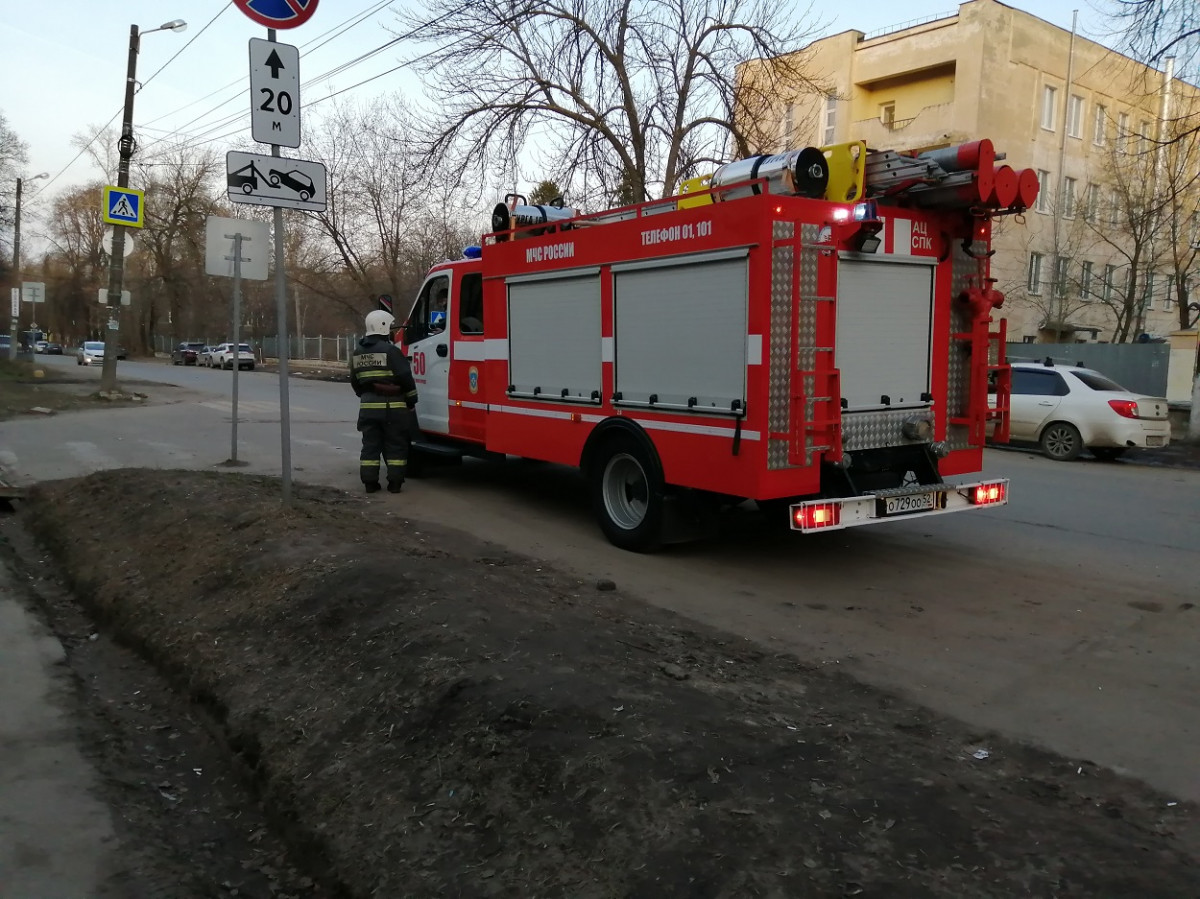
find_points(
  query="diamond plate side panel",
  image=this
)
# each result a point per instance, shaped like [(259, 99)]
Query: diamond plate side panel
[(806, 329), (958, 377), (871, 430), (779, 389)]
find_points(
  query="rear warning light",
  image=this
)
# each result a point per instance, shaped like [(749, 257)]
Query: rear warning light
[(814, 517), (988, 494), (1124, 408)]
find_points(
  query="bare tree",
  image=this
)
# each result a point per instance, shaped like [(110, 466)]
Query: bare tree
[(74, 265), (14, 156), (1157, 29), (388, 216), (638, 94)]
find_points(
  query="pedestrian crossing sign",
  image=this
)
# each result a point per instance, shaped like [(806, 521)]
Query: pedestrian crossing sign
[(123, 206)]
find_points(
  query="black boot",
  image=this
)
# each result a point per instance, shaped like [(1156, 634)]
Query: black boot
[(373, 488), (395, 486)]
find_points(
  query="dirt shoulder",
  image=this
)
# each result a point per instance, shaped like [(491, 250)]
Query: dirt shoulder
[(27, 388), (425, 714)]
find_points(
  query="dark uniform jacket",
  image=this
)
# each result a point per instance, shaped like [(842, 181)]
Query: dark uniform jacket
[(381, 377)]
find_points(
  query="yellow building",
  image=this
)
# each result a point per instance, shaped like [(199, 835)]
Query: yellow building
[(1086, 118)]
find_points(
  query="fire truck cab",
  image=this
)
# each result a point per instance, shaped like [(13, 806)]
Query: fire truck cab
[(812, 334)]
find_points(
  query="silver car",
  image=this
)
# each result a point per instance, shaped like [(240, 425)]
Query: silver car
[(1067, 408), (90, 352)]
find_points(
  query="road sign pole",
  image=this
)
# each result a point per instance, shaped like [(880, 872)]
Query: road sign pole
[(281, 343), (116, 269), (237, 339), (16, 273)]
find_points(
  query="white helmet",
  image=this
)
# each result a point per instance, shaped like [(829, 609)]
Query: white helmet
[(380, 322)]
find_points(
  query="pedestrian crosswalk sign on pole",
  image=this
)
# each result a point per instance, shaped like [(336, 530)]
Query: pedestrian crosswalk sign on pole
[(123, 206)]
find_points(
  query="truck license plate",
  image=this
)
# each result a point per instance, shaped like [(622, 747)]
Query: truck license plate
[(912, 502)]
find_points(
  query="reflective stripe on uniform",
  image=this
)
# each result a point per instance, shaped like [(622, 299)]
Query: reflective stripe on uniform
[(397, 462), (368, 463), (394, 404), (374, 373)]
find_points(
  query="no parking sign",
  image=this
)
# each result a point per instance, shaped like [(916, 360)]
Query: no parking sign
[(278, 13)]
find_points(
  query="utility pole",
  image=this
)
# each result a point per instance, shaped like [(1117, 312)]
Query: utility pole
[(16, 274), (116, 267)]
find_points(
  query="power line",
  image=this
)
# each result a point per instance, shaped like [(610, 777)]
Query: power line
[(188, 44)]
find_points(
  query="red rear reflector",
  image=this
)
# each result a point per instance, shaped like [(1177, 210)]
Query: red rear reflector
[(986, 494), (824, 515), (1124, 408)]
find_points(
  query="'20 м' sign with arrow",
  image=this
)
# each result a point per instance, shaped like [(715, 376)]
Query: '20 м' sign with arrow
[(274, 93)]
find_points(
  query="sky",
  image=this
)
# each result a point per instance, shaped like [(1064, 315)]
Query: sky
[(64, 65)]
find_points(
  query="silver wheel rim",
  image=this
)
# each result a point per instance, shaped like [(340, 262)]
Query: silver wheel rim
[(1059, 441), (626, 491)]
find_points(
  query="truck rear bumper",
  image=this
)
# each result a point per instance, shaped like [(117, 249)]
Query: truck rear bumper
[(903, 504)]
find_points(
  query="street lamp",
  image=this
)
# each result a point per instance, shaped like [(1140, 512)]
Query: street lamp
[(16, 264), (116, 269)]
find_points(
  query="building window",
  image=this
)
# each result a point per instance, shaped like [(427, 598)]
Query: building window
[(1101, 126), (830, 120), (787, 126), (1042, 204), (887, 114), (1068, 204), (1085, 281), (1148, 291), (1062, 268), (1035, 273), (1075, 116), (1169, 294), (1122, 130), (1194, 237), (1093, 203), (1049, 104), (1110, 281), (1114, 208), (1144, 136)]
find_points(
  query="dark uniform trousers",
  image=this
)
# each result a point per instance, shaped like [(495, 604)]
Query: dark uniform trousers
[(384, 423)]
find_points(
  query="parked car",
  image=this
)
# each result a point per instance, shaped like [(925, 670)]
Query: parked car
[(1067, 408), (186, 353), (5, 343), (53, 349), (224, 356), (122, 353), (40, 346), (206, 355), (90, 352)]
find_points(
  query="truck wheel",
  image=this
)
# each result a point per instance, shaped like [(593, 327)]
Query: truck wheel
[(1061, 441), (627, 495)]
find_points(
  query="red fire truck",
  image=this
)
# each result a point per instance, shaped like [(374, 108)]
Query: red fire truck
[(811, 330)]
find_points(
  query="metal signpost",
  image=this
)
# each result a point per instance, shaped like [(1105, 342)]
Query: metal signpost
[(281, 14), (237, 248)]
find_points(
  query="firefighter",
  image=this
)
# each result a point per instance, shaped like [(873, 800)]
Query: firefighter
[(383, 382)]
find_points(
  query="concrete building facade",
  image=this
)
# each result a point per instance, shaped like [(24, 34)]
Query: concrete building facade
[(1097, 258)]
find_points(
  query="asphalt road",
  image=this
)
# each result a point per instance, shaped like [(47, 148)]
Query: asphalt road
[(1066, 618)]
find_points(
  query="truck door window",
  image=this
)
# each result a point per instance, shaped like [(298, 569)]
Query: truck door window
[(429, 312), (470, 304)]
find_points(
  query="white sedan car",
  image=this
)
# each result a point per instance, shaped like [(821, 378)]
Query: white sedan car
[(90, 352), (1066, 408)]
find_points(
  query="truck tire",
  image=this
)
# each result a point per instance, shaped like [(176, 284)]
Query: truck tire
[(1061, 441), (627, 495)]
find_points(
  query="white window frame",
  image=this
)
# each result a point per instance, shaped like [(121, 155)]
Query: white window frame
[(1033, 282), (1092, 208), (830, 120), (1100, 129), (1042, 204), (1062, 273), (1049, 106), (1122, 130), (1110, 277), (1114, 207), (1075, 116), (1085, 280), (1068, 209), (1148, 291)]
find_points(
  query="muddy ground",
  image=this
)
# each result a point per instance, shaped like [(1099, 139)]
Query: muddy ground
[(27, 388), (423, 714)]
